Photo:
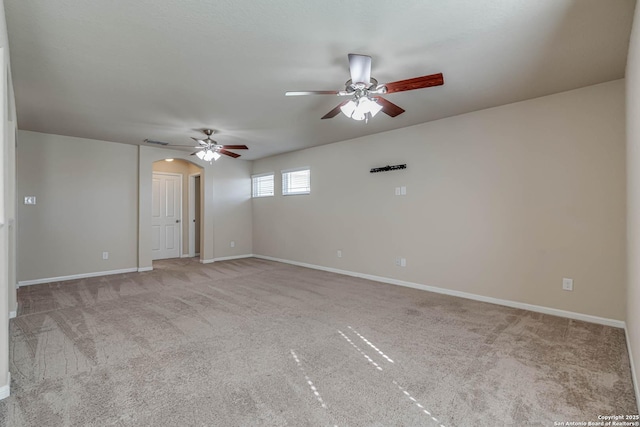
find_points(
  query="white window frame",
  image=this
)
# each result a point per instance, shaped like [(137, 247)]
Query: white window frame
[(297, 193), (260, 175)]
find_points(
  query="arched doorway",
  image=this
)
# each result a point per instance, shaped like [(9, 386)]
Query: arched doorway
[(175, 209)]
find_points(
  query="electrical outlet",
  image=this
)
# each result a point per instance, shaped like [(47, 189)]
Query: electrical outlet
[(232, 244), (567, 284), (339, 253), (105, 255), (30, 200)]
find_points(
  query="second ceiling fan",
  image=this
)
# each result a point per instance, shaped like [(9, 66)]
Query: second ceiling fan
[(209, 149), (364, 91)]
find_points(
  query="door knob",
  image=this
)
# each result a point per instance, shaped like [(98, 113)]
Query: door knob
[(177, 220)]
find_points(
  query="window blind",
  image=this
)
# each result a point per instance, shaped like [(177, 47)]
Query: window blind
[(262, 185), (296, 182)]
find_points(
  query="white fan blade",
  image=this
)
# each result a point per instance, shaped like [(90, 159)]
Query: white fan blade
[(360, 67), (312, 92), (200, 141)]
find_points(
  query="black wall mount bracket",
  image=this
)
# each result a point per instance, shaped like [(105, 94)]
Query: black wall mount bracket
[(388, 168)]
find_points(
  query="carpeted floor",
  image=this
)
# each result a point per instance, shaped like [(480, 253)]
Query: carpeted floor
[(258, 343)]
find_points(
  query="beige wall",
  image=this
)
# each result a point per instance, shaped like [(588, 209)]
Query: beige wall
[(87, 201), (502, 203), (633, 195), (185, 169), (232, 210)]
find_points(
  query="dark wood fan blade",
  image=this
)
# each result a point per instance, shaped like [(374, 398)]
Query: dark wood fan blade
[(415, 83), (389, 108), (312, 92), (234, 147), (331, 114), (228, 153)]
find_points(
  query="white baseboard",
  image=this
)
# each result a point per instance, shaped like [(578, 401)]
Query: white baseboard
[(186, 256), (633, 367), (142, 269), (5, 390), (225, 258), (13, 314), (513, 304), (76, 276)]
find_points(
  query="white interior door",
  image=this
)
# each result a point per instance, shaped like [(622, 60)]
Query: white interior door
[(166, 216)]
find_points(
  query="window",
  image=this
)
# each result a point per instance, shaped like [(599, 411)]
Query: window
[(262, 185), (296, 181)]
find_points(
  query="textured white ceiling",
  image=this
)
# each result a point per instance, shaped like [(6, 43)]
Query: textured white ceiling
[(122, 70)]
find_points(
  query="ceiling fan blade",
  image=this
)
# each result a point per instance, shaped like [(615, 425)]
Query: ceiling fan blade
[(313, 92), (331, 114), (228, 153), (415, 83), (389, 108), (360, 68), (234, 147), (202, 142), (174, 146), (181, 146)]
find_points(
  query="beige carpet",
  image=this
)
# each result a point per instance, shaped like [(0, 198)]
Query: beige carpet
[(258, 343)]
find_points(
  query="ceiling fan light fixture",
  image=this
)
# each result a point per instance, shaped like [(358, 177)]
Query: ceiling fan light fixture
[(216, 155), (200, 154), (374, 107), (208, 156), (359, 115), (348, 108), (361, 109)]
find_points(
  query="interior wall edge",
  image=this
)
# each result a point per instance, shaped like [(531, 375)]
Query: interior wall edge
[(631, 364), (491, 300)]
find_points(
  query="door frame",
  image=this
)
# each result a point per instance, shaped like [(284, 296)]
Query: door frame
[(179, 175), (192, 208)]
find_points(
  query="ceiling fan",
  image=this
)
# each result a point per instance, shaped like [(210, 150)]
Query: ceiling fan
[(364, 90), (207, 149)]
